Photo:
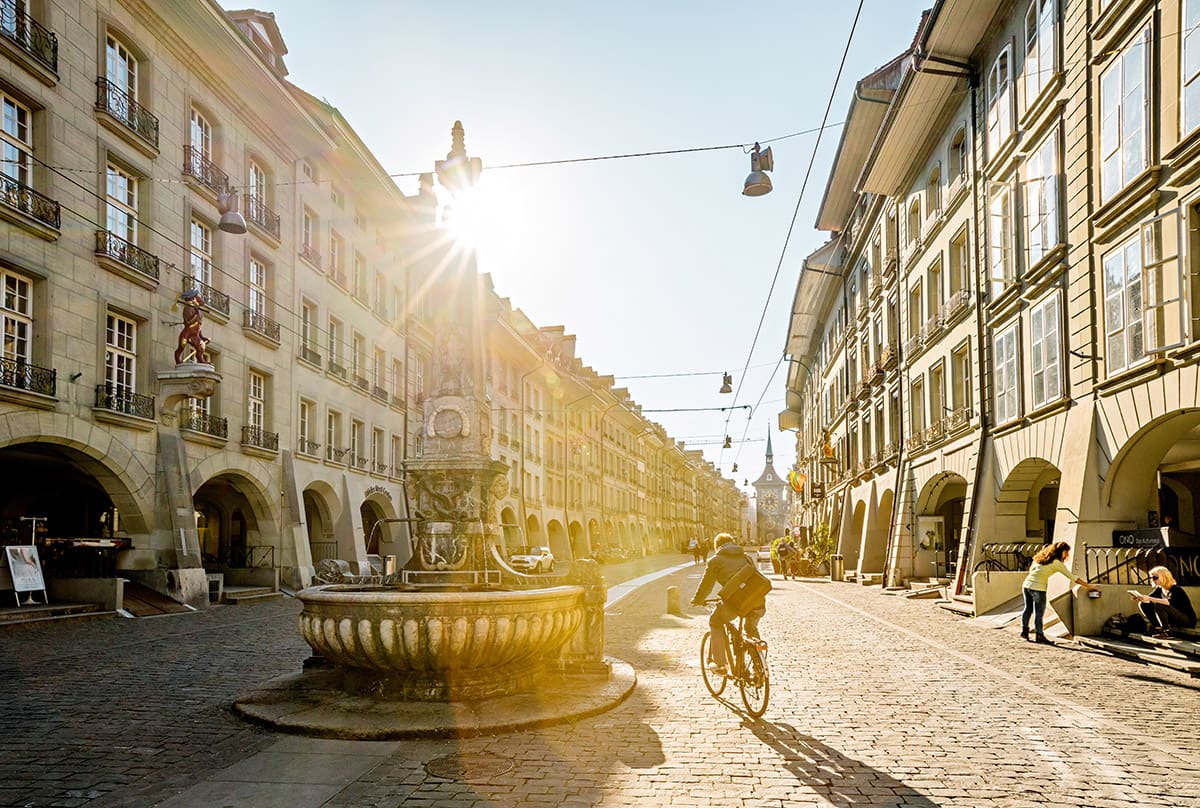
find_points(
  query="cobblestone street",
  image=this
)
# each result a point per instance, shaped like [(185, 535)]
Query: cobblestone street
[(875, 700)]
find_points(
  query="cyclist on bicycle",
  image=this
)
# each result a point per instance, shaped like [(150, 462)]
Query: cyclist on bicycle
[(728, 559)]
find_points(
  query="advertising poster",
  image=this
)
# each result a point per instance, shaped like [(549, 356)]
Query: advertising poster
[(24, 567)]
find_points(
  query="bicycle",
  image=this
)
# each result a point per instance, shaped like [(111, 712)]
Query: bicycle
[(747, 665)]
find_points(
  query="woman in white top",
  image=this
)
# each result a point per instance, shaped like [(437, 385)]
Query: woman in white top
[(1049, 560)]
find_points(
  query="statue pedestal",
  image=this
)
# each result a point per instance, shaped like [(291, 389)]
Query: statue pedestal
[(188, 380)]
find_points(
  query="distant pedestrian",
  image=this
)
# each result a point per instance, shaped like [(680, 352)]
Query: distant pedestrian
[(694, 549), (1049, 560), (787, 553), (1167, 606)]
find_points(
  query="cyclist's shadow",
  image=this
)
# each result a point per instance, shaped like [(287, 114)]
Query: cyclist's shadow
[(841, 780)]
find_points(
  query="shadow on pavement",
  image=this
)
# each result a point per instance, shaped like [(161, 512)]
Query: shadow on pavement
[(841, 780)]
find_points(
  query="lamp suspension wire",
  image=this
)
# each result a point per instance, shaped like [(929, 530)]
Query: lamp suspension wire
[(795, 213)]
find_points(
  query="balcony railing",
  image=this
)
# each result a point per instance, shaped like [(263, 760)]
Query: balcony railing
[(362, 383), (259, 437), (323, 550), (890, 450), (1014, 557), (309, 355), (381, 468), (199, 166), (28, 34), (360, 462), (380, 393), (311, 254), (890, 260), (217, 301), (959, 302), (932, 327), (397, 400), (307, 447), (116, 102), (258, 213), (209, 424), (914, 442), (260, 324), (913, 345), (958, 419), (123, 400), (30, 202), (113, 246), (338, 370), (936, 431), (19, 374)]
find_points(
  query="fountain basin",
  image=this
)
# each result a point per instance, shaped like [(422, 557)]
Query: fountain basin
[(439, 645)]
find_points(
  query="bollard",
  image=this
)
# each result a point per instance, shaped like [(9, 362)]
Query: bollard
[(673, 600)]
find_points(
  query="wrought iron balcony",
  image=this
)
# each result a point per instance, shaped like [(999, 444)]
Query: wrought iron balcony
[(397, 400), (123, 400), (259, 214), (116, 102), (257, 436), (936, 431), (381, 468), (890, 260), (207, 423), (28, 34), (217, 301), (30, 202), (338, 370), (915, 442), (307, 447), (335, 454), (260, 324), (361, 383), (310, 254), (959, 302), (309, 355), (360, 462), (21, 375), (113, 246), (199, 166), (932, 327), (380, 393), (958, 419), (913, 345)]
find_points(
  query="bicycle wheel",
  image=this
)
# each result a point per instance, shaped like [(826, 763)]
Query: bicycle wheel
[(755, 681), (714, 681)]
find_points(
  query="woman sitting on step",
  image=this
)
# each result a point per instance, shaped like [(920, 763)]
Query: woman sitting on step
[(1167, 606)]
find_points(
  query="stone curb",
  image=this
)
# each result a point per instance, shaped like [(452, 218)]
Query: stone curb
[(310, 703)]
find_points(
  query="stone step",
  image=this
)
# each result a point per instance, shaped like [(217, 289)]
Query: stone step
[(870, 578), (923, 594), (1180, 645), (51, 612), (1152, 655), (958, 605), (250, 595)]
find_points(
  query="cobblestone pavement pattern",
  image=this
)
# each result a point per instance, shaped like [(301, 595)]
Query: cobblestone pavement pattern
[(876, 701)]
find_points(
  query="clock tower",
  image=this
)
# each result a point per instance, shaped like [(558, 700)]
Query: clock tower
[(771, 495)]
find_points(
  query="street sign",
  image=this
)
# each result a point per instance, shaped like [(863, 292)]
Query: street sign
[(818, 490), (1151, 537)]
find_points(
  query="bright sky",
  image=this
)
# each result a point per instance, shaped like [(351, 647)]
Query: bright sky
[(659, 265)]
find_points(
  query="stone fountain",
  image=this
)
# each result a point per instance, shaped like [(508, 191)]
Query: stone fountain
[(456, 626)]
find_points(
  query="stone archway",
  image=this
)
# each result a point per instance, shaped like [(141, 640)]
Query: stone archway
[(511, 531), (556, 537), (1026, 504), (939, 524), (851, 538), (875, 539), (579, 548), (372, 517), (533, 531), (231, 512), (320, 513)]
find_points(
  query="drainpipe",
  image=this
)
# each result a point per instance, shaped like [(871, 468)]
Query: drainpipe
[(900, 459)]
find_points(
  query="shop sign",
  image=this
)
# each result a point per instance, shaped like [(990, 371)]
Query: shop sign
[(1148, 538), (818, 490), (24, 568)]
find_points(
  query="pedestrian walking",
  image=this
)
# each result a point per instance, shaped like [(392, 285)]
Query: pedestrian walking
[(1049, 560), (694, 549)]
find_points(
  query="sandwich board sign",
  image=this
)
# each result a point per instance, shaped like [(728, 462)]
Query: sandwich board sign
[(26, 571)]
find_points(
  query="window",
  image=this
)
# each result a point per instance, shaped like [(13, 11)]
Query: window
[(1191, 65), (16, 316), (397, 379), (306, 413), (960, 263), (120, 353), (256, 401), (336, 336), (200, 255), (358, 444), (397, 454), (381, 295), (999, 102), (201, 142), (937, 393), (360, 358), (1123, 345), (121, 200), (916, 405), (256, 297), (914, 222), (1000, 269), (934, 288), (333, 435), (1045, 349), (16, 139), (1041, 47), (380, 368), (1006, 380), (377, 464), (308, 326), (1041, 201), (336, 258), (958, 155), (1124, 141), (120, 68), (933, 191), (914, 311), (309, 226), (360, 277), (960, 378), (257, 190)]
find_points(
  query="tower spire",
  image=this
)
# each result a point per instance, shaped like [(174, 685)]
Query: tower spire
[(770, 454)]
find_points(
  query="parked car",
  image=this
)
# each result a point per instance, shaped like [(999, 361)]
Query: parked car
[(532, 559), (763, 554)]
